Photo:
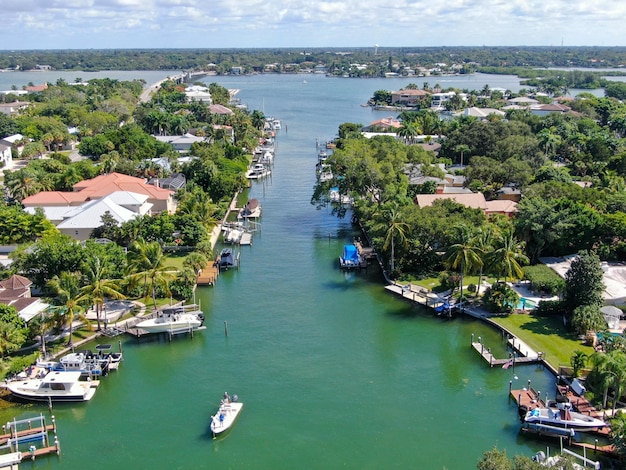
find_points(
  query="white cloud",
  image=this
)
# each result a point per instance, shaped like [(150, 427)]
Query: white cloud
[(255, 23)]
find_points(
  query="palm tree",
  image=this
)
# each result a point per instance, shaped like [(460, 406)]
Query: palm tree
[(462, 148), (578, 361), (395, 226), (146, 262), (196, 261), (549, 140), (482, 242), (508, 256), (463, 255), (99, 287), (67, 288)]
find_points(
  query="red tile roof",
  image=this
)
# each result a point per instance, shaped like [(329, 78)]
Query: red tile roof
[(53, 198)]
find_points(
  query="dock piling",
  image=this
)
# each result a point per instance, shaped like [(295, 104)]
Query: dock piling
[(225, 328)]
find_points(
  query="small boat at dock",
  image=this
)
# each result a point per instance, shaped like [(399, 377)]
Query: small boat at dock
[(252, 209), (561, 416), (173, 320), (226, 415), (228, 259)]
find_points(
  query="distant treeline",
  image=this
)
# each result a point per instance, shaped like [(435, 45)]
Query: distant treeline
[(335, 59)]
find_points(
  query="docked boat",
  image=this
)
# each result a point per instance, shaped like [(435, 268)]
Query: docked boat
[(88, 365), (251, 210), (228, 259), (561, 416), (54, 386), (233, 235), (351, 259), (171, 323), (226, 415), (257, 171)]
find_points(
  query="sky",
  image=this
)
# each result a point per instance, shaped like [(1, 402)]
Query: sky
[(113, 24)]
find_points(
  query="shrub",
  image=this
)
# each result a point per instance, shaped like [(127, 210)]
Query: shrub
[(500, 298), (544, 279)]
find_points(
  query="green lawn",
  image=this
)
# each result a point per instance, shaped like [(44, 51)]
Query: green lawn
[(175, 260), (545, 334)]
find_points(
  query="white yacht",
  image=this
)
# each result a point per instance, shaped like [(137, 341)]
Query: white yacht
[(54, 386)]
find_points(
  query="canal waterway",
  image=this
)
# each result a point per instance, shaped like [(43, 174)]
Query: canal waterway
[(334, 371)]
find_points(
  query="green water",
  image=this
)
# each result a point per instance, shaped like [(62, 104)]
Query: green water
[(334, 371)]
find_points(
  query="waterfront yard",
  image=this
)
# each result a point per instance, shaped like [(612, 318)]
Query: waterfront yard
[(546, 334)]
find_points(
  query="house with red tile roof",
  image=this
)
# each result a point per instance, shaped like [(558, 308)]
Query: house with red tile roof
[(104, 185), (388, 123), (472, 200)]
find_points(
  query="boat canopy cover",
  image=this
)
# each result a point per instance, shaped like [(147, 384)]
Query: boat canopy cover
[(350, 253)]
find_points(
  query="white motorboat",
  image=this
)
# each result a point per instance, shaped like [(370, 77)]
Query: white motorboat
[(171, 323), (258, 171), (86, 364), (233, 235), (54, 386), (226, 415), (251, 210), (562, 416)]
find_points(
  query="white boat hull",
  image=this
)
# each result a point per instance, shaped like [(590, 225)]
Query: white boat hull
[(225, 417), (563, 419), (40, 389), (175, 324)]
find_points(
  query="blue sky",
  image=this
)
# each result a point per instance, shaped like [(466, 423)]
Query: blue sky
[(83, 24)]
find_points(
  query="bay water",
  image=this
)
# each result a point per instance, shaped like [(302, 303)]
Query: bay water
[(333, 371)]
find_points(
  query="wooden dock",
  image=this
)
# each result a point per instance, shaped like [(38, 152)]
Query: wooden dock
[(16, 434), (208, 275)]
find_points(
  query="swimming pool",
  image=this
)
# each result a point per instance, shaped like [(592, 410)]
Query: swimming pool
[(526, 304)]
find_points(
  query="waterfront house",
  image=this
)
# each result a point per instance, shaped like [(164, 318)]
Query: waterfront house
[(440, 99), (198, 93), (408, 97)]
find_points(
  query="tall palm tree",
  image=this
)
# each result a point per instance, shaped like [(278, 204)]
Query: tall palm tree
[(463, 256), (508, 256), (99, 287), (70, 297), (482, 241), (146, 262), (394, 227), (462, 148)]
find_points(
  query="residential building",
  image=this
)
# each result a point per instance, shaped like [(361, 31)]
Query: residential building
[(11, 109), (388, 123), (181, 143), (6, 155), (15, 292), (14, 141), (408, 97), (472, 200), (102, 186), (198, 93)]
